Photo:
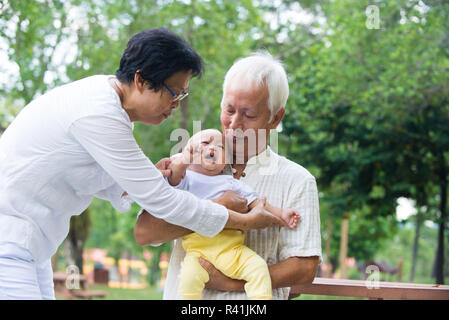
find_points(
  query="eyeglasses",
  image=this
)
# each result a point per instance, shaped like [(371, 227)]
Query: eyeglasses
[(176, 97)]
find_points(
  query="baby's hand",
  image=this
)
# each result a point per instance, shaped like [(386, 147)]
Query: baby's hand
[(163, 166), (291, 217), (177, 168), (177, 159)]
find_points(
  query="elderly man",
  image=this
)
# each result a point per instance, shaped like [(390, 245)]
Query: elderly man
[(255, 92)]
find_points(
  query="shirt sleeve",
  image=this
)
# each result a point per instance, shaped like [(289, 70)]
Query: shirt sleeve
[(305, 239), (114, 194), (111, 144)]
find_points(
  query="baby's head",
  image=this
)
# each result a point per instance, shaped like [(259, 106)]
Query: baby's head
[(208, 152)]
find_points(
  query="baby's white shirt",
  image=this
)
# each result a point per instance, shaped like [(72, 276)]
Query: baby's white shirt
[(212, 187)]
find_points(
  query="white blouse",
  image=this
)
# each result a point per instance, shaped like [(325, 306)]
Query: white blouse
[(285, 185), (72, 144)]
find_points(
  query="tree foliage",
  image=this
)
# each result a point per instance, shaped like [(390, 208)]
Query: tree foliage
[(371, 112), (368, 112)]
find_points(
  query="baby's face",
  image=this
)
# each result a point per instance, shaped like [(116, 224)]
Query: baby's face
[(208, 146)]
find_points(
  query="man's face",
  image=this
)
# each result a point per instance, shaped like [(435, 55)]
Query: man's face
[(244, 111)]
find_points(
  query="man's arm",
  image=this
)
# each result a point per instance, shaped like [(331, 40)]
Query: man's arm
[(150, 230), (283, 274), (286, 273)]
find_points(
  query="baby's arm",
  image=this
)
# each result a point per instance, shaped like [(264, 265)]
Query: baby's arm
[(178, 169), (289, 216), (179, 164)]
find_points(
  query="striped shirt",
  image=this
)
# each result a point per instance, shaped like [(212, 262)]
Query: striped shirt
[(285, 184)]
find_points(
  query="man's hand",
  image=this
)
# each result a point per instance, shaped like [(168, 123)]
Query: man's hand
[(231, 200), (218, 281), (163, 165)]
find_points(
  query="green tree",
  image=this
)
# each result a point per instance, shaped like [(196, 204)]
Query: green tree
[(33, 31), (370, 111)]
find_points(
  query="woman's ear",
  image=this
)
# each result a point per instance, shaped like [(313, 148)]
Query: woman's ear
[(139, 82)]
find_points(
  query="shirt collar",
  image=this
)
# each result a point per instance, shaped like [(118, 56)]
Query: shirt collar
[(266, 162)]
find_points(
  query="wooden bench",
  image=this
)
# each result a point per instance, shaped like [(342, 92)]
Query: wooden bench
[(63, 290), (371, 290), (89, 294)]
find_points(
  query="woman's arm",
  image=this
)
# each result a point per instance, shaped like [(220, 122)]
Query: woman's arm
[(150, 230), (110, 142)]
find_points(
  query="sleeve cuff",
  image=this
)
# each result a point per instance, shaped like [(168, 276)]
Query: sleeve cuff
[(300, 252), (214, 221), (121, 203)]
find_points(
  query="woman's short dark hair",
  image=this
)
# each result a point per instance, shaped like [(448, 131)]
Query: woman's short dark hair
[(158, 54)]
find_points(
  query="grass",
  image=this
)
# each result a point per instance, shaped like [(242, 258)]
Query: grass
[(148, 293), (153, 293), (322, 297)]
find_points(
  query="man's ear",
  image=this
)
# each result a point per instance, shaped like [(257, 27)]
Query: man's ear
[(277, 118)]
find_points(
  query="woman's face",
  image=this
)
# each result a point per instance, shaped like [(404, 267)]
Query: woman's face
[(150, 107)]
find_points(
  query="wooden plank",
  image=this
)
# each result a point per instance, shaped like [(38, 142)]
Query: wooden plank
[(61, 276), (385, 290), (88, 294), (59, 279)]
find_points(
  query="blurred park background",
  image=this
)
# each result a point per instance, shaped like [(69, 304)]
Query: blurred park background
[(368, 115)]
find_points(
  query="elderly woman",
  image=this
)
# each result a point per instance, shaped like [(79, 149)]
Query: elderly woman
[(76, 142)]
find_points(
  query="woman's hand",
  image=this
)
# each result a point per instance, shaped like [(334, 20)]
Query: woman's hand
[(260, 218), (233, 201), (257, 218), (163, 167)]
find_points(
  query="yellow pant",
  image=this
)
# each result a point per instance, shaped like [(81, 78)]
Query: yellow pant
[(228, 254)]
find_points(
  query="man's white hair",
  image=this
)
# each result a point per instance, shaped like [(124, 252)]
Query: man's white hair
[(259, 69)]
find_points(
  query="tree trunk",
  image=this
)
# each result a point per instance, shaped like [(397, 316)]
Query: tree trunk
[(54, 261), (415, 245), (76, 252), (439, 261), (328, 272), (185, 113), (76, 239), (344, 246)]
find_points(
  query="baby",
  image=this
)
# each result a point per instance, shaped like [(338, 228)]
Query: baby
[(200, 169)]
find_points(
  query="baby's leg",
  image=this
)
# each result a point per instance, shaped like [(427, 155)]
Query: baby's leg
[(192, 277), (247, 265)]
